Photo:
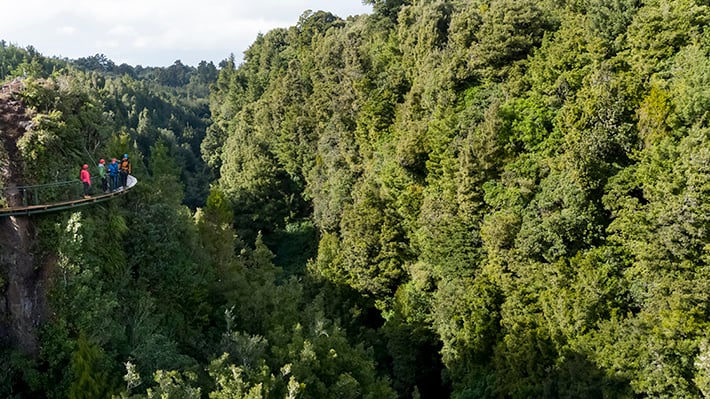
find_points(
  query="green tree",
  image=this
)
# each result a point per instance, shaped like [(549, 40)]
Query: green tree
[(88, 367)]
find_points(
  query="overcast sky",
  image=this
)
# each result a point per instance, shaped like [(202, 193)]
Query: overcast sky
[(154, 32)]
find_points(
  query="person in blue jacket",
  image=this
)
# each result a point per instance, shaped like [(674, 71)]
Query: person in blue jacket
[(113, 174)]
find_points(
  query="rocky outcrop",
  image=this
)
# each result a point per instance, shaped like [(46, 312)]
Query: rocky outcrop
[(23, 299)]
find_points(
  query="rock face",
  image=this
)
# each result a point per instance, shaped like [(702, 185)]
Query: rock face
[(23, 299)]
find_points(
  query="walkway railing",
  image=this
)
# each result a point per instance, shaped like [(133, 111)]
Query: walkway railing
[(39, 198), (42, 193)]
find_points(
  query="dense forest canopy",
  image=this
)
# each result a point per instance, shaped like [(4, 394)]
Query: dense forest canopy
[(444, 198)]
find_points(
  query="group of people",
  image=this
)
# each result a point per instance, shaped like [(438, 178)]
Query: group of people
[(113, 177)]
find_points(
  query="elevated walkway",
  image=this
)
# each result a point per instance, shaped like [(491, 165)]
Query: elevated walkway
[(53, 197)]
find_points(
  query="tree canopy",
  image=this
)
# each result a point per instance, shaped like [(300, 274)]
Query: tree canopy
[(466, 199)]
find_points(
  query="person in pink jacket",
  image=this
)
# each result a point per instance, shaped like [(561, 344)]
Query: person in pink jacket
[(86, 180)]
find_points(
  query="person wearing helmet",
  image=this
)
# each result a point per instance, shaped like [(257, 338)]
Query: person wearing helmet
[(86, 180), (113, 174), (125, 169), (102, 175)]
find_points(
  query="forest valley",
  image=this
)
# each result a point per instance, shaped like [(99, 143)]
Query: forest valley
[(443, 198)]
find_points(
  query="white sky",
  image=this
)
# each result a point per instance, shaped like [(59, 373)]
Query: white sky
[(154, 32)]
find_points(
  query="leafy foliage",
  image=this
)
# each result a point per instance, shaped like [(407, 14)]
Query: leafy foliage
[(500, 198)]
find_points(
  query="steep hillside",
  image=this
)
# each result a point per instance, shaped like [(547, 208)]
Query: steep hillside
[(520, 185)]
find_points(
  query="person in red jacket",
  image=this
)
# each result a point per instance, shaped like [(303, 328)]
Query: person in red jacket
[(86, 180)]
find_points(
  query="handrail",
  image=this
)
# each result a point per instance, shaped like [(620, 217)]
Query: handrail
[(54, 196), (44, 193)]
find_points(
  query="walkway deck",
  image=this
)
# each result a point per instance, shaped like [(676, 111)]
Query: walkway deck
[(64, 205)]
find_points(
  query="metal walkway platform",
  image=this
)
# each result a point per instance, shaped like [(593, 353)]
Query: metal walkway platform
[(27, 193)]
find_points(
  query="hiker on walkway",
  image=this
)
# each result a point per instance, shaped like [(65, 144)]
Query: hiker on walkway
[(113, 174), (125, 168), (102, 174), (86, 180)]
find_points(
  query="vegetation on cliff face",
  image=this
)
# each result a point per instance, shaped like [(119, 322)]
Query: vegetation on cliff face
[(443, 198)]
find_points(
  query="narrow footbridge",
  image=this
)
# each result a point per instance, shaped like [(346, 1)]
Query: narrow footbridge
[(53, 197)]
